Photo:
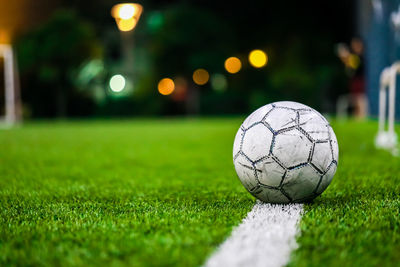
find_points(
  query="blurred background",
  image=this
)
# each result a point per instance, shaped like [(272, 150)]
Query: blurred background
[(88, 59)]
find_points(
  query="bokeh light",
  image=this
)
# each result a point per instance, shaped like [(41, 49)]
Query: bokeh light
[(126, 25), (117, 83), (155, 20), (219, 82), (166, 86), (201, 76), (354, 61), (126, 15), (233, 65), (126, 11), (258, 58)]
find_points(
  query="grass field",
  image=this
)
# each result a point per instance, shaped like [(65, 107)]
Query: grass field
[(356, 222), (164, 192)]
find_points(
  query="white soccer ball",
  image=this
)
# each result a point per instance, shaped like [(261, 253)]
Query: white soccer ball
[(285, 152)]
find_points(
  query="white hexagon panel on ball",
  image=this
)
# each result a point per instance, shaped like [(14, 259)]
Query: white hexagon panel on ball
[(285, 152)]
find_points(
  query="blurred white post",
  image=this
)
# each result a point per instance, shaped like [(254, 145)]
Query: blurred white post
[(387, 139), (9, 84)]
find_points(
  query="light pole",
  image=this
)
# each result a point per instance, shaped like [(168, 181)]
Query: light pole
[(126, 16), (12, 100)]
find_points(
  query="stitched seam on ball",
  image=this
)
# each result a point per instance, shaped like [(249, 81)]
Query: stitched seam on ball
[(319, 182), (330, 141), (316, 168), (298, 166), (269, 186), (283, 179), (244, 155), (321, 141), (311, 153), (293, 109), (266, 124), (272, 144), (287, 129), (261, 159), (266, 114), (305, 133), (253, 124), (279, 162), (286, 194)]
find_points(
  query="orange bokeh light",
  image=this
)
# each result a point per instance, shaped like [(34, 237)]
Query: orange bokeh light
[(166, 86), (233, 65), (201, 76)]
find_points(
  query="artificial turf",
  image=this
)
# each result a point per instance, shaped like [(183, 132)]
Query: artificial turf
[(356, 221), (137, 193), (164, 192)]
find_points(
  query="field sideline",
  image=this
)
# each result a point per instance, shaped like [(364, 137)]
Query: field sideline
[(164, 192)]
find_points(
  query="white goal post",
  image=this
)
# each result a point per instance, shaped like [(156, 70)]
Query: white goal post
[(10, 115), (387, 137)]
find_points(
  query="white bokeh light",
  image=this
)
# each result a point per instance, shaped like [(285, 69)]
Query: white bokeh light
[(126, 11), (117, 83)]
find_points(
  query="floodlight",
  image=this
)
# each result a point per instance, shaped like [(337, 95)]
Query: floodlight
[(126, 15)]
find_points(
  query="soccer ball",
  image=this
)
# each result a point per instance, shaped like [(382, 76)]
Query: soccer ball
[(285, 152)]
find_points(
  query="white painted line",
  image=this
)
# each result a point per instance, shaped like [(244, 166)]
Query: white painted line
[(265, 238)]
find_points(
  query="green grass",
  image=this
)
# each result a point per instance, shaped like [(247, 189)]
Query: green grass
[(164, 192), (135, 193), (356, 221)]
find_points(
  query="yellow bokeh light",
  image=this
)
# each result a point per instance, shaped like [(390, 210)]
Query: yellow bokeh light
[(233, 65), (126, 15), (125, 25), (258, 58), (166, 86), (354, 61), (201, 76)]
